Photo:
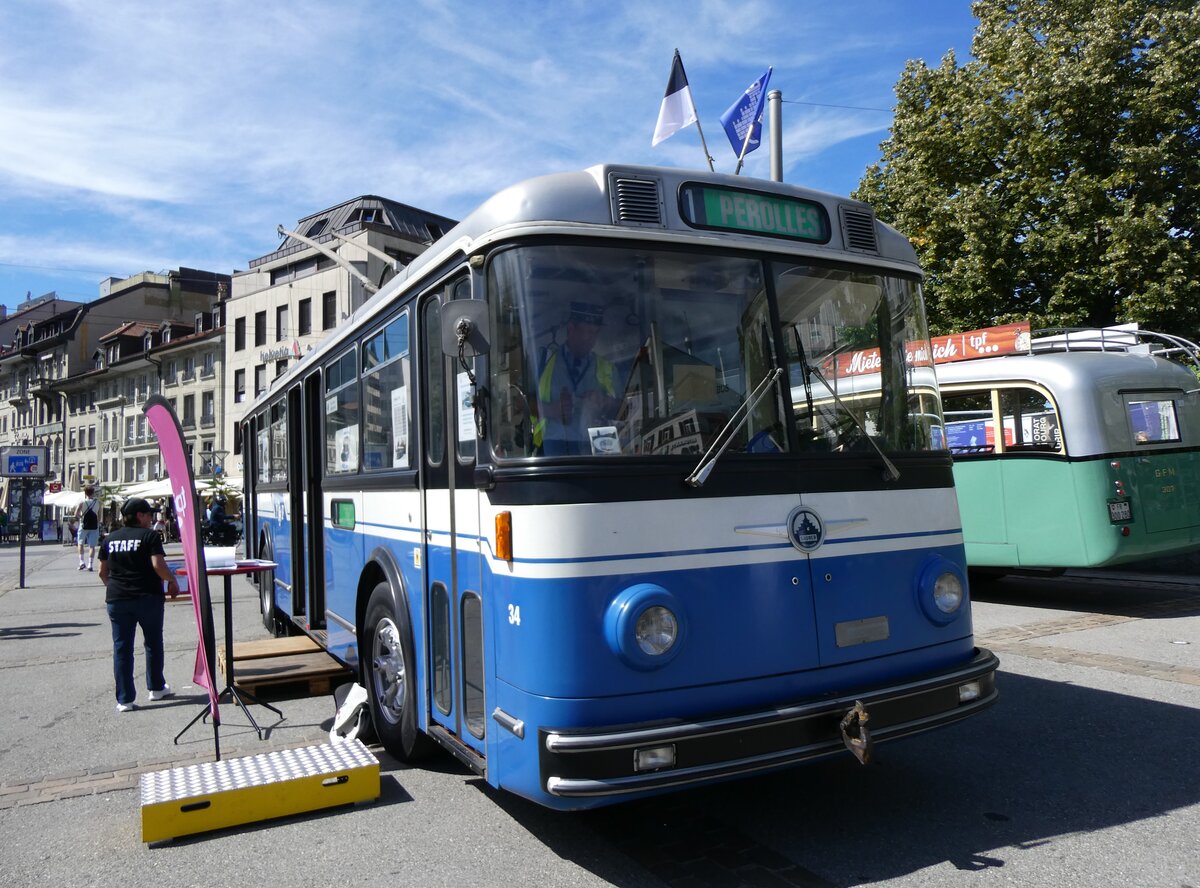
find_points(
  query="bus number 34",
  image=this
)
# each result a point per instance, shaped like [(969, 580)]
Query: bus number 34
[(514, 614)]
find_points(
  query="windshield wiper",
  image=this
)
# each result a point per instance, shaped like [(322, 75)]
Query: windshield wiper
[(890, 472), (806, 370), (709, 460)]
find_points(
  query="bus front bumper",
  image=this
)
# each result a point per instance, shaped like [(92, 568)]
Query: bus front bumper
[(642, 758)]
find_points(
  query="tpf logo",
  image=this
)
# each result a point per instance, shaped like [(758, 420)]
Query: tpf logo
[(805, 529)]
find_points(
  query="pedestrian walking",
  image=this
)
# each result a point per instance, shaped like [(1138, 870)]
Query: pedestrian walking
[(133, 569), (88, 514)]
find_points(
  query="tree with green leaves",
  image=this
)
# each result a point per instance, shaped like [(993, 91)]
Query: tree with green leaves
[(1056, 175)]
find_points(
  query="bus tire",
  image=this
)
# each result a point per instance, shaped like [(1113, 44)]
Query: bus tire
[(266, 595), (390, 674)]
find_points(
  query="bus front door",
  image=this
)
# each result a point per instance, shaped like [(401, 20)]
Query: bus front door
[(454, 624)]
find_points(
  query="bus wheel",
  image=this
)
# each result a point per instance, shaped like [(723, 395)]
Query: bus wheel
[(390, 672), (266, 595)]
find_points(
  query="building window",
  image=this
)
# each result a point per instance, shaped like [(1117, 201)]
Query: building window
[(239, 386), (239, 334), (280, 368), (260, 328), (260, 379), (208, 413), (189, 367), (210, 364), (328, 310), (189, 410), (281, 323), (304, 317)]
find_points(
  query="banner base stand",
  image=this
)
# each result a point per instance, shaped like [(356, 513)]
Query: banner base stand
[(216, 795)]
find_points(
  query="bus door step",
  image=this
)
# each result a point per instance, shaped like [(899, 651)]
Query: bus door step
[(214, 795)]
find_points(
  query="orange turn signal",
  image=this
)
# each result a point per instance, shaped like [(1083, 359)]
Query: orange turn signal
[(504, 536)]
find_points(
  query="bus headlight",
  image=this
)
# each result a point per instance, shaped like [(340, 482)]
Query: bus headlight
[(947, 593), (656, 630), (644, 626), (941, 590)]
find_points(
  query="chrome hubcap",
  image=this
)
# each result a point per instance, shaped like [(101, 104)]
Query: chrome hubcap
[(387, 669)]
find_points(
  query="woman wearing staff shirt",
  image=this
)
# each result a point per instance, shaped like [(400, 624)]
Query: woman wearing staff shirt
[(133, 568)]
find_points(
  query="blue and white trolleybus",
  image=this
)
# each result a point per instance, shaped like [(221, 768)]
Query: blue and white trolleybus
[(586, 497)]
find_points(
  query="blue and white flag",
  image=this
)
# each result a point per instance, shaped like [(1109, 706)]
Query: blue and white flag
[(745, 115), (678, 110)]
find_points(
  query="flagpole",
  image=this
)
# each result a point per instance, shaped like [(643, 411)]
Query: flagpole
[(703, 144), (745, 144)]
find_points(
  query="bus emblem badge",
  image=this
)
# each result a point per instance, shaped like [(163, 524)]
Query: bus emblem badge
[(805, 529)]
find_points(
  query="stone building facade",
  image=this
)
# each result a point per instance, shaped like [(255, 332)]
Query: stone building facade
[(73, 381), (76, 375), (290, 298)]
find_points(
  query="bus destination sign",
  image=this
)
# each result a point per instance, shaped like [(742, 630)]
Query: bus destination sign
[(752, 212)]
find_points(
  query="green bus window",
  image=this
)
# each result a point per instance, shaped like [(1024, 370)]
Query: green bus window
[(1030, 420), (970, 425)]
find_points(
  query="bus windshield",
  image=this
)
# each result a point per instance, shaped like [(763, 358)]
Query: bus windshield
[(618, 351)]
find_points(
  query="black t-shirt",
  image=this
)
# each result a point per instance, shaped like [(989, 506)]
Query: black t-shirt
[(128, 552)]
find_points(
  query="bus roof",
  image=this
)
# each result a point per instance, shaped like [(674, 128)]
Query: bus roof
[(1061, 372), (640, 202)]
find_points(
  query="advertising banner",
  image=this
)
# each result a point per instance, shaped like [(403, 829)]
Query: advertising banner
[(989, 342), (166, 427)]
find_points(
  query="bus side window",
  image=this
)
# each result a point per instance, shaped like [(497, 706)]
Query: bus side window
[(970, 425), (435, 389), (461, 289), (1030, 420), (341, 414)]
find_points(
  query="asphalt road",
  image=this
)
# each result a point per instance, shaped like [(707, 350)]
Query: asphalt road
[(1084, 773)]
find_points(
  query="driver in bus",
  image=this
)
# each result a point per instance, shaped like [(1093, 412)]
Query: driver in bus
[(576, 388)]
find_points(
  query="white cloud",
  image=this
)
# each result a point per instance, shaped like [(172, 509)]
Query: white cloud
[(185, 132)]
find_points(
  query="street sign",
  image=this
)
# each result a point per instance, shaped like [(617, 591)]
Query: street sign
[(24, 462)]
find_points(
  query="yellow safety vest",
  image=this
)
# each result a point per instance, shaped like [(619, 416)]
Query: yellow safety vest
[(604, 377)]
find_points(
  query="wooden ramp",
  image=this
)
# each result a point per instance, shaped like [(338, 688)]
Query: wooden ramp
[(284, 664)]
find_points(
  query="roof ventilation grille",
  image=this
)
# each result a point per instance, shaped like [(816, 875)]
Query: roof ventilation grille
[(637, 202), (858, 230)]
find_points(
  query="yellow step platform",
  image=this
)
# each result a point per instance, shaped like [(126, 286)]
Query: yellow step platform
[(215, 795)]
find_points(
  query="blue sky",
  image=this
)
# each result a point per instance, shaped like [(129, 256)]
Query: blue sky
[(147, 136)]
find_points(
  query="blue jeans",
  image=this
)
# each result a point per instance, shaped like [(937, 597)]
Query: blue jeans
[(125, 617)]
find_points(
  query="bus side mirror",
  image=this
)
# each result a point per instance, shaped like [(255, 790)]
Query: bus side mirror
[(465, 328)]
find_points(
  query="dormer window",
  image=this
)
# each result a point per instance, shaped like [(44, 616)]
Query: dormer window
[(148, 342), (199, 322), (316, 228), (114, 351)]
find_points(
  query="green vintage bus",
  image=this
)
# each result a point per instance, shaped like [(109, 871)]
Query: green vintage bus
[(1080, 449)]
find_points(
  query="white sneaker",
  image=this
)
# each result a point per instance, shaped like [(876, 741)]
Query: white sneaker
[(82, 566), (126, 707), (163, 693)]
